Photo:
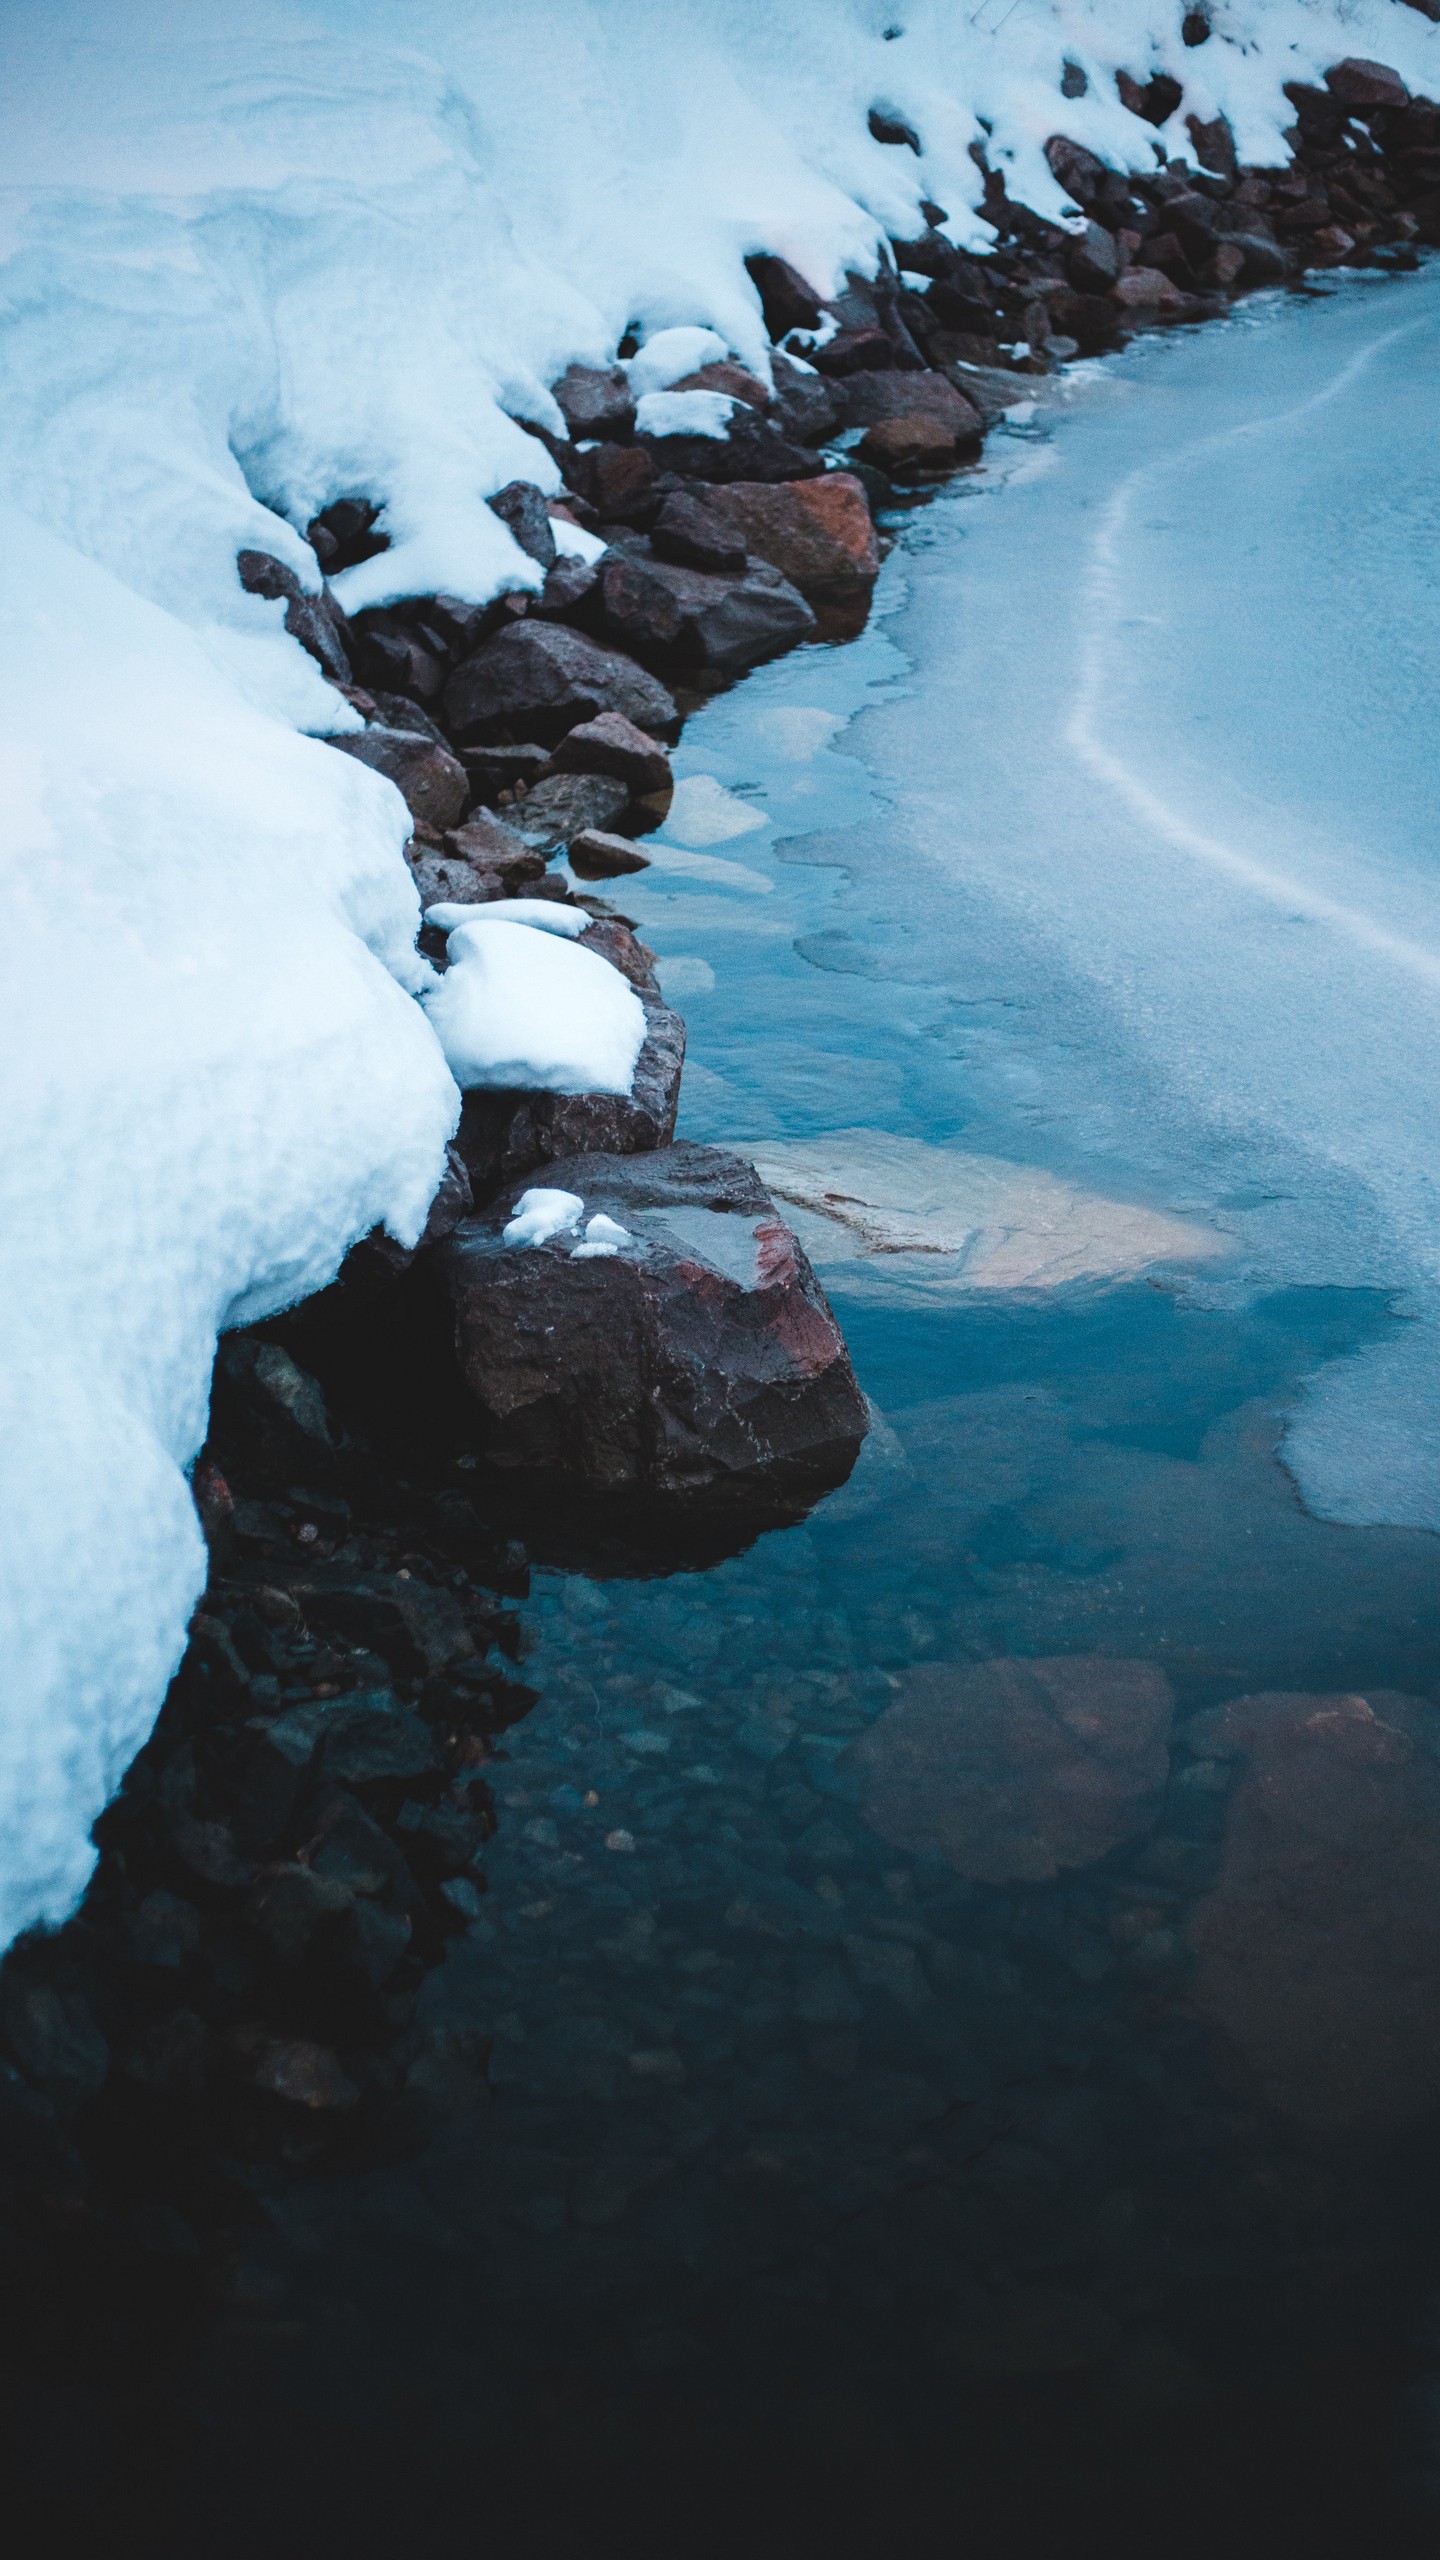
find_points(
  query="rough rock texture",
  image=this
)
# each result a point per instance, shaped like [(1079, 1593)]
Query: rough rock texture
[(755, 448), (786, 299), (615, 746), (595, 400), (502, 1135), (901, 446), (432, 782), (537, 680), (315, 621), (817, 533), (695, 618), (1360, 86), (694, 532), (874, 397), (522, 507), (701, 1359), (478, 861), (597, 856), (564, 805), (1318, 1952), (1015, 1769)]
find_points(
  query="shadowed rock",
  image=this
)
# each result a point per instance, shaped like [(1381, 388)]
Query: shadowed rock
[(539, 679)]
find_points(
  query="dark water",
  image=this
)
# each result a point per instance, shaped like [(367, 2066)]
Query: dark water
[(934, 2104)]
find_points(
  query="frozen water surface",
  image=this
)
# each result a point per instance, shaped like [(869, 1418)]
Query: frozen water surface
[(949, 2063)]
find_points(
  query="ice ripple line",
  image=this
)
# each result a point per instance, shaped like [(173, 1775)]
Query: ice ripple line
[(1298, 897)]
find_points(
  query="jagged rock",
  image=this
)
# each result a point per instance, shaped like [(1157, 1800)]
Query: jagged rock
[(565, 590), (271, 1413), (343, 533), (753, 448), (290, 1905), (290, 2067), (865, 348), (615, 746), (564, 804), (596, 856), (620, 481), (502, 1135), (786, 300), (1146, 293), (397, 711), (701, 1359), (417, 1626), (522, 507), (1094, 262), (695, 618), (901, 446), (430, 780), (1361, 86), (805, 405), (388, 657), (818, 533), (595, 400), (496, 863), (1156, 99), (540, 679), (1015, 1769), (735, 380), (692, 531), (1077, 170), (1213, 141), (315, 621), (377, 1258), (873, 399), (495, 769)]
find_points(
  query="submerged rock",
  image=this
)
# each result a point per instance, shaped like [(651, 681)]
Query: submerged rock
[(1015, 1769), (696, 1357)]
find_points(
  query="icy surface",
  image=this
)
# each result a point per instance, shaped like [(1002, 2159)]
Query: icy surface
[(254, 262), (526, 1011)]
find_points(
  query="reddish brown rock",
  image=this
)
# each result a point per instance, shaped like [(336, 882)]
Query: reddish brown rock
[(901, 446), (597, 856), (1156, 99), (1015, 1769), (787, 301), (480, 861), (817, 533), (595, 400), (1144, 293), (699, 1360), (1318, 1952), (880, 397), (432, 782), (693, 531), (1362, 86), (735, 379)]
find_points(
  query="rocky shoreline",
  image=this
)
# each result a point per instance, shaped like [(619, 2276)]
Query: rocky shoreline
[(235, 2003)]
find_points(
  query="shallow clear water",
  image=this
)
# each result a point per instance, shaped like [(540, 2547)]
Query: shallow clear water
[(1024, 2113)]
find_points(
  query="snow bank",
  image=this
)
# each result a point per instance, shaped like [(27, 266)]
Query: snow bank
[(252, 262), (527, 1011)]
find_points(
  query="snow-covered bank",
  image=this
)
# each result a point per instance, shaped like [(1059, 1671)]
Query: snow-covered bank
[(346, 250)]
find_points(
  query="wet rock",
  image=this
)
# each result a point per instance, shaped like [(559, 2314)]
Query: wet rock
[(1318, 1952), (693, 532), (417, 1626), (502, 1135), (441, 1839), (613, 745), (818, 533), (430, 780), (1360, 86), (786, 300), (523, 508), (596, 856), (693, 618), (316, 621), (1015, 1769), (291, 2067), (700, 1358), (902, 447), (878, 398), (595, 400), (564, 804), (539, 680)]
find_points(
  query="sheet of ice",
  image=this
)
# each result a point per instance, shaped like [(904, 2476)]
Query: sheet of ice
[(704, 812), (527, 1012), (541, 1214), (546, 915), (684, 413)]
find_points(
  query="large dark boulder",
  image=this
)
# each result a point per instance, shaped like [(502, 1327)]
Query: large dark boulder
[(696, 618), (595, 400), (786, 300), (432, 782), (615, 746), (699, 1359), (315, 621), (503, 1135), (754, 448), (817, 533), (564, 805), (539, 679), (872, 399)]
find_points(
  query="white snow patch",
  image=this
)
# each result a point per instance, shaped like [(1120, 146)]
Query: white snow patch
[(545, 915), (684, 413), (525, 1011), (670, 355), (541, 1214), (573, 542), (603, 1237)]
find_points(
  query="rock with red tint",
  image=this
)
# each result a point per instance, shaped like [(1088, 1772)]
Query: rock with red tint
[(621, 481), (698, 1359), (1016, 1769), (694, 618), (877, 398), (564, 805), (595, 400), (817, 533), (734, 379), (539, 679), (1147, 294), (1318, 1952), (433, 783), (1213, 142), (480, 861), (613, 745), (864, 349), (902, 446), (1361, 86)]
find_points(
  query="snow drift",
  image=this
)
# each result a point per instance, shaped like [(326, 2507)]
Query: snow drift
[(250, 265)]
